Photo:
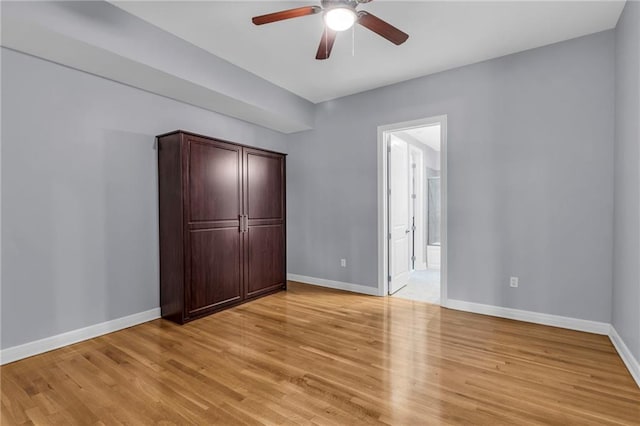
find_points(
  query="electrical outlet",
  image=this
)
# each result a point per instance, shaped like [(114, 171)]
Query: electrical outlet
[(513, 282), (343, 263)]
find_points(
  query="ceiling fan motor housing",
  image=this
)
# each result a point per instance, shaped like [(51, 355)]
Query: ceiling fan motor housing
[(330, 4)]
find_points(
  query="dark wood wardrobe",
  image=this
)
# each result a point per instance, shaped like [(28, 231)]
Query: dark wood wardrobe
[(222, 224)]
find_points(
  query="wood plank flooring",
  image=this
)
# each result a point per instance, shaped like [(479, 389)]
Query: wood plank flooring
[(320, 356)]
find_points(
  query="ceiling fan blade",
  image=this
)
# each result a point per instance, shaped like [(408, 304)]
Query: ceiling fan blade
[(286, 14), (382, 28), (326, 43)]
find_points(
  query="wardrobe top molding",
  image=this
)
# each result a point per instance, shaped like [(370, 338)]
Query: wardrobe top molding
[(185, 132)]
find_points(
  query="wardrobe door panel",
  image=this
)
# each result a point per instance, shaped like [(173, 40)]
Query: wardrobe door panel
[(265, 258), (215, 268), (214, 181), (264, 204), (264, 187)]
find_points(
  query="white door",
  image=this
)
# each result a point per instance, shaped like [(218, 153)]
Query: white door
[(398, 214)]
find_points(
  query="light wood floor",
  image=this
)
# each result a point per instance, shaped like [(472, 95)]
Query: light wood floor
[(314, 355)]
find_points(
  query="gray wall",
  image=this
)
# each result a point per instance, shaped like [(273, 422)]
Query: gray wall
[(530, 179), (79, 194), (110, 42), (528, 193), (626, 253)]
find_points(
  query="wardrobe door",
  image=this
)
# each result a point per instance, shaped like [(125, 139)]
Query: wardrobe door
[(214, 243), (264, 205)]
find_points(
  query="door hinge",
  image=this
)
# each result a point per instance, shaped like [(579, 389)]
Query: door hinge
[(413, 258), (388, 191), (388, 148), (413, 166), (413, 196), (389, 278), (388, 236)]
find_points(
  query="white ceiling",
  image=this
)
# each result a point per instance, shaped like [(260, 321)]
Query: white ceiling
[(442, 35), (428, 135)]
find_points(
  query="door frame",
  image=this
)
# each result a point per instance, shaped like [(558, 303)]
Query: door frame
[(383, 200), (418, 178)]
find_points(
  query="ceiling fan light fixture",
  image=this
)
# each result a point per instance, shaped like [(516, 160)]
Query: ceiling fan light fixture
[(338, 15), (340, 18)]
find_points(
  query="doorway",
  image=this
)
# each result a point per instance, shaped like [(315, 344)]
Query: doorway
[(412, 216)]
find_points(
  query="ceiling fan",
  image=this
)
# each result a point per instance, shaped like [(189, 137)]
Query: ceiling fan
[(339, 15)]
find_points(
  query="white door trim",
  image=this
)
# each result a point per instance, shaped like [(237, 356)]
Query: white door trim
[(383, 230)]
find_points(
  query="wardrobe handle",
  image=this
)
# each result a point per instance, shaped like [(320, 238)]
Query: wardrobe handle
[(241, 223), (244, 223)]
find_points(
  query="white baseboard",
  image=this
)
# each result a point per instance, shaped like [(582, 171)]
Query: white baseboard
[(26, 350), (74, 336), (534, 317), (338, 285), (627, 357)]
